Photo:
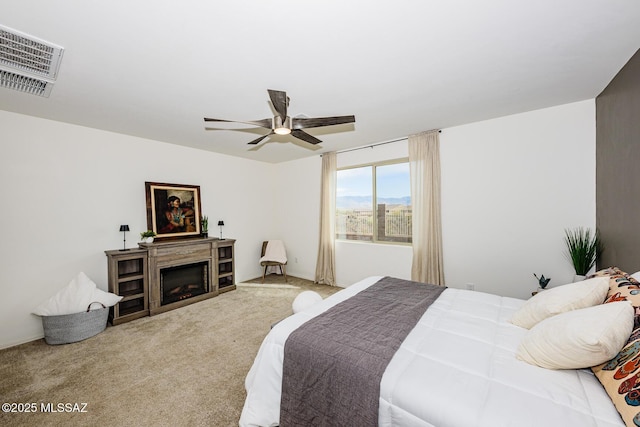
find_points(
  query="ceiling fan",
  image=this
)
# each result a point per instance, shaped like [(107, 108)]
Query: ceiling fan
[(281, 124)]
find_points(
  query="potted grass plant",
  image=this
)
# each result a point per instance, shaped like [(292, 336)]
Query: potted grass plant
[(204, 223), (583, 249)]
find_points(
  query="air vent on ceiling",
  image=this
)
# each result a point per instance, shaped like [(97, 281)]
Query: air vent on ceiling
[(29, 54), (27, 64), (25, 84)]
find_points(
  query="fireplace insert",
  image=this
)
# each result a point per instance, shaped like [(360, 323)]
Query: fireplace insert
[(184, 281)]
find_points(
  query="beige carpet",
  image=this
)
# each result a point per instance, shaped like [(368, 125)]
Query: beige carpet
[(185, 367)]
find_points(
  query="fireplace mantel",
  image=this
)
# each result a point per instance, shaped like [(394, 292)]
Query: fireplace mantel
[(166, 254), (137, 274)]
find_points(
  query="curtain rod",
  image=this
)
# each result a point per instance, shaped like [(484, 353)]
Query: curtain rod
[(375, 145)]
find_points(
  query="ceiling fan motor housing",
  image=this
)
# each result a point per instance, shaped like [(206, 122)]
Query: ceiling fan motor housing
[(282, 128)]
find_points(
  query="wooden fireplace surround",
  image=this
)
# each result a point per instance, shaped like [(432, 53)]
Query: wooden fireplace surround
[(143, 281)]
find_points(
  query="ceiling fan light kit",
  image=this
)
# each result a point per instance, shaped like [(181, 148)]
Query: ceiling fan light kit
[(282, 124), (282, 128)]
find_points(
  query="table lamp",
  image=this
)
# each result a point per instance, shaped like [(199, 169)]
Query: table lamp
[(124, 228), (221, 224)]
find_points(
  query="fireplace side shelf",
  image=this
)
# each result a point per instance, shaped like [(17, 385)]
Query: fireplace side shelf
[(226, 265), (127, 275)]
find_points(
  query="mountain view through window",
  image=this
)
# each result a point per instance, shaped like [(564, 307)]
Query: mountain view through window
[(373, 203)]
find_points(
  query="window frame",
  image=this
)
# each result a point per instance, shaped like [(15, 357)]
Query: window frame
[(374, 197)]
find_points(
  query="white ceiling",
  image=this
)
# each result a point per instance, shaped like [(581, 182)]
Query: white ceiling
[(155, 69)]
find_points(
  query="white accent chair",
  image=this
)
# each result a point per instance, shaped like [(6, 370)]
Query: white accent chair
[(274, 255)]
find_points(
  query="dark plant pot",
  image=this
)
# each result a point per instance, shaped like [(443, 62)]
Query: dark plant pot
[(205, 234)]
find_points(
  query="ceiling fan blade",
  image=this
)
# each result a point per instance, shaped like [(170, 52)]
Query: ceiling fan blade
[(264, 123), (300, 134), (280, 102), (255, 141), (314, 122)]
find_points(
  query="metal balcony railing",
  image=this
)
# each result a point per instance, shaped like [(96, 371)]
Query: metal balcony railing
[(357, 224)]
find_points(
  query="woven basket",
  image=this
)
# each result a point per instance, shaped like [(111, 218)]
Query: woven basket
[(68, 328)]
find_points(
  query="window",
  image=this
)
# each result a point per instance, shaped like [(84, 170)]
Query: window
[(373, 203)]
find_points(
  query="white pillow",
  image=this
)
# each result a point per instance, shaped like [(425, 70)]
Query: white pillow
[(561, 299), (305, 300), (579, 338), (76, 297), (106, 298)]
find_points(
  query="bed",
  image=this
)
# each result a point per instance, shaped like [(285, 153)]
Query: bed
[(456, 367)]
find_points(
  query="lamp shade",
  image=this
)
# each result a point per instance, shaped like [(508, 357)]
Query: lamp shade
[(124, 227), (220, 223)]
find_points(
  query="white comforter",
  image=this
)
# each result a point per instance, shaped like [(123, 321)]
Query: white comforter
[(457, 367)]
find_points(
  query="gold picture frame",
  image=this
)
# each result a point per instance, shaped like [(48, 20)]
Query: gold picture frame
[(173, 210)]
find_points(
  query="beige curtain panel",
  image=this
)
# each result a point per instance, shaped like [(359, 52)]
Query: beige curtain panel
[(424, 163), (326, 263)]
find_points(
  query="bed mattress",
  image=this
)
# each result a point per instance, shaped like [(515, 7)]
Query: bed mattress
[(457, 367)]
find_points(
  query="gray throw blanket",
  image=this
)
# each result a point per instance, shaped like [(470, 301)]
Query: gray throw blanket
[(333, 364)]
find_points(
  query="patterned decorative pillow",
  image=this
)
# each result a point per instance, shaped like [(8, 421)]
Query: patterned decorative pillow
[(621, 375), (622, 287)]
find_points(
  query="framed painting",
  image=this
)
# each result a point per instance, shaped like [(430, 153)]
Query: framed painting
[(173, 210)]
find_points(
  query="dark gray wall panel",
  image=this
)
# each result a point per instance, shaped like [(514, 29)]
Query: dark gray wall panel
[(618, 168)]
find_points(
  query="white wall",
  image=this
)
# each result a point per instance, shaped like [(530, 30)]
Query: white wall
[(68, 188), (510, 186), (297, 193)]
